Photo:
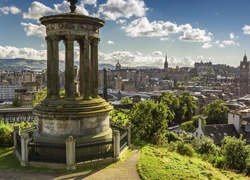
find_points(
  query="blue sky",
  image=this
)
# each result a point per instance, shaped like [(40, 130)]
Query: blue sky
[(137, 32)]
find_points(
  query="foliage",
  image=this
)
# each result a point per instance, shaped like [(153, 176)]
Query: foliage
[(216, 112), (158, 163), (40, 96), (149, 120), (125, 100), (235, 152), (188, 103), (119, 117), (15, 102), (185, 149), (188, 126), (205, 146), (183, 107), (172, 137), (6, 135), (171, 101)]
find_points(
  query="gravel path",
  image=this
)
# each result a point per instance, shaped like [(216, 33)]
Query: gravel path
[(125, 170)]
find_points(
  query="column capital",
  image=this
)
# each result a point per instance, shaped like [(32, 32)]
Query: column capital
[(95, 41), (54, 39), (70, 37)]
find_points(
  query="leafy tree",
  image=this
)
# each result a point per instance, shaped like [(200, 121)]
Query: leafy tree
[(125, 100), (187, 106), (216, 112), (171, 101), (15, 102), (149, 120), (235, 152), (6, 132)]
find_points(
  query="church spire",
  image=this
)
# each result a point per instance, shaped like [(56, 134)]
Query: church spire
[(245, 58), (166, 63)]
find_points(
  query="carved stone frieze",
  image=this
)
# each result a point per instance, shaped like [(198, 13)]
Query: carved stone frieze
[(73, 26)]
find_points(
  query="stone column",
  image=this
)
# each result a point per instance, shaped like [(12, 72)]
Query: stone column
[(94, 66), (69, 66), (70, 153), (55, 67), (24, 148), (81, 69), (116, 144), (86, 67), (16, 131), (49, 67)]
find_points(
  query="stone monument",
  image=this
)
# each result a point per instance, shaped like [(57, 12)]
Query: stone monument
[(79, 113)]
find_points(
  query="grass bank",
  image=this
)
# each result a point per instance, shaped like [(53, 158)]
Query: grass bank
[(159, 163)]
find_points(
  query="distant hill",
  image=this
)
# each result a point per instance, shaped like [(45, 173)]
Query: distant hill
[(18, 64)]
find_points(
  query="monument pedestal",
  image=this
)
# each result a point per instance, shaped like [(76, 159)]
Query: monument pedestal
[(85, 120)]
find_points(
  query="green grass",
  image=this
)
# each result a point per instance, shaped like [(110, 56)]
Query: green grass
[(159, 163)]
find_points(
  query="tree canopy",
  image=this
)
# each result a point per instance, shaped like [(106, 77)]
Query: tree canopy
[(149, 120), (216, 112)]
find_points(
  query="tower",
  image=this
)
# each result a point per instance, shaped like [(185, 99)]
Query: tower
[(244, 77), (166, 63), (118, 66)]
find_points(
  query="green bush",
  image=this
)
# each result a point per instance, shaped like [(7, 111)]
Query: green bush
[(172, 137), (185, 149), (6, 135), (205, 146)]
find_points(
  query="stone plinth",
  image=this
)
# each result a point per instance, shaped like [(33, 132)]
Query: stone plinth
[(84, 120)]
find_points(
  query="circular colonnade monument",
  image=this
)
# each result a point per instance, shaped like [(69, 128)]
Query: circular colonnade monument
[(80, 113)]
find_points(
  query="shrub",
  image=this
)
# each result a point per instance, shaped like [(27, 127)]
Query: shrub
[(172, 137), (185, 149), (6, 135)]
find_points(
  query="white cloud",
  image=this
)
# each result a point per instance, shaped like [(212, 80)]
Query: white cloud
[(121, 21), (185, 62), (90, 2), (28, 53), (195, 35), (232, 36), (200, 57), (138, 53), (229, 42), (157, 53), (34, 30), (246, 29), (115, 9), (142, 27), (207, 45), (12, 9), (129, 59), (37, 10), (110, 42), (165, 38)]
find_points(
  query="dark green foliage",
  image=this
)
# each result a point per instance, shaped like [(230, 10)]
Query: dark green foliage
[(205, 146), (216, 112), (185, 149), (172, 137), (6, 135), (235, 152), (183, 107), (188, 126), (149, 120), (15, 102)]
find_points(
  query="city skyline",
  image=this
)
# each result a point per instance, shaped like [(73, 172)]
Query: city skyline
[(137, 32)]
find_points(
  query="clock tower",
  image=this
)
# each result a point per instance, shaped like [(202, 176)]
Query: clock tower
[(244, 76)]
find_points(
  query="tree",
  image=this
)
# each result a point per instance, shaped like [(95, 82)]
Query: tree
[(125, 100), (172, 103), (235, 152), (149, 120), (216, 112), (187, 106)]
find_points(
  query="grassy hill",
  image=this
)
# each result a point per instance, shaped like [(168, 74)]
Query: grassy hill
[(159, 163)]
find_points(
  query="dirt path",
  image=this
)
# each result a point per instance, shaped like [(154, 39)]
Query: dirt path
[(125, 170)]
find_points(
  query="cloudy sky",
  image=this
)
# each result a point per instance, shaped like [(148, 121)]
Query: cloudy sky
[(137, 32)]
